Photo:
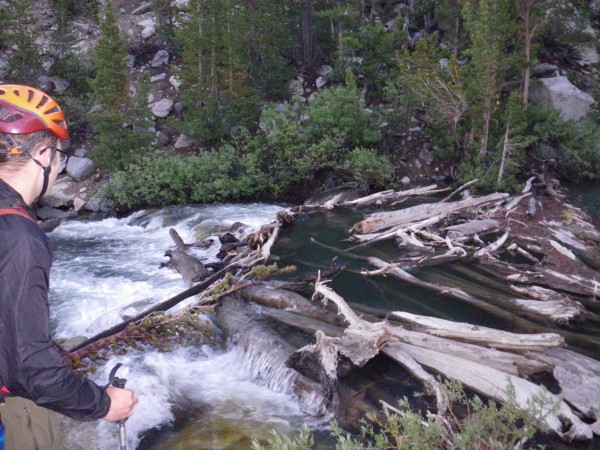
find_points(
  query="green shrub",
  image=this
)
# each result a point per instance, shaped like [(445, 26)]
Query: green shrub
[(368, 168), (574, 146), (485, 426)]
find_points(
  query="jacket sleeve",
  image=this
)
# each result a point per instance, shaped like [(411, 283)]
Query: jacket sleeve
[(39, 372)]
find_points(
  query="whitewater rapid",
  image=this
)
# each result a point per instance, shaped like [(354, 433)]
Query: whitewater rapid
[(107, 270)]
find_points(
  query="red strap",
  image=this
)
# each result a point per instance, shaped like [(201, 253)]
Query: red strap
[(19, 212), (4, 390)]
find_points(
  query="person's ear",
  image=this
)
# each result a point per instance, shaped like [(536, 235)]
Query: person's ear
[(45, 156)]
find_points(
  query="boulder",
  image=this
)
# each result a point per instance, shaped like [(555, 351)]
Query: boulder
[(324, 70), (163, 108), (162, 139), (146, 23), (182, 142), (80, 168), (295, 87), (80, 152), (48, 213), (560, 94), (588, 55), (148, 32), (174, 81), (78, 204), (320, 82), (180, 4), (160, 59), (57, 197), (159, 77), (545, 70)]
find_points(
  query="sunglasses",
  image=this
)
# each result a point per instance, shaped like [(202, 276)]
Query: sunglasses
[(64, 156)]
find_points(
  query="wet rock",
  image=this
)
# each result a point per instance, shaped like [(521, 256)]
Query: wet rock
[(49, 213), (560, 94), (163, 108), (160, 59), (80, 168), (228, 238), (57, 197)]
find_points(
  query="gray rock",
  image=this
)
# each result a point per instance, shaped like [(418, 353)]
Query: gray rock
[(78, 204), (545, 70), (426, 156), (48, 213), (162, 139), (159, 77), (589, 34), (163, 108), (80, 152), (151, 98), (588, 55), (182, 142), (320, 82), (148, 32), (405, 180), (444, 63), (418, 164), (57, 197), (324, 70), (145, 7), (130, 60), (174, 81), (180, 4), (146, 23), (560, 94), (80, 168), (311, 97), (295, 87), (178, 108), (68, 344), (95, 203), (56, 84), (160, 59)]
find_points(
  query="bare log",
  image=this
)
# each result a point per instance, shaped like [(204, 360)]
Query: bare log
[(381, 221), (471, 228), (480, 335)]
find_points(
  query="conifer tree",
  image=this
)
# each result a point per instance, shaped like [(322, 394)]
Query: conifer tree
[(110, 82), (165, 16), (19, 31)]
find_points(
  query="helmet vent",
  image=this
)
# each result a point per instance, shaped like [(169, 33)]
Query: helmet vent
[(52, 110), (16, 92), (13, 117), (60, 122), (30, 95), (42, 102)]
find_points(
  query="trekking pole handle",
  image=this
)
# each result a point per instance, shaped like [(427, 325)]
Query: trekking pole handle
[(117, 382)]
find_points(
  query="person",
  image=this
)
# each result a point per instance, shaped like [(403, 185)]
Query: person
[(35, 383)]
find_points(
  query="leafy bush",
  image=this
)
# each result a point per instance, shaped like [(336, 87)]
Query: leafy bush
[(485, 426), (574, 146), (368, 168)]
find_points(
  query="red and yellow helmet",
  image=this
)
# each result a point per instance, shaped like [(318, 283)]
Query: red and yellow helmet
[(25, 110)]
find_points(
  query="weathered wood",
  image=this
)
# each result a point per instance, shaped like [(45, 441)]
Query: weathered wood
[(392, 196), (381, 221), (471, 228), (480, 335), (493, 247)]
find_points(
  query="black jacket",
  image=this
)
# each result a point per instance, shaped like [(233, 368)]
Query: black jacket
[(30, 363)]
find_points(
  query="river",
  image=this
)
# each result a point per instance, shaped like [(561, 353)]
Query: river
[(202, 397)]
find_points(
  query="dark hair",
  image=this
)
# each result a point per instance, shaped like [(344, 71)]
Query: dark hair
[(27, 143)]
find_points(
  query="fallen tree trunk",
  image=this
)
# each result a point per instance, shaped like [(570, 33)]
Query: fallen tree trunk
[(381, 221)]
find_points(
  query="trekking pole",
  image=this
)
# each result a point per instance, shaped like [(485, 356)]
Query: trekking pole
[(117, 382)]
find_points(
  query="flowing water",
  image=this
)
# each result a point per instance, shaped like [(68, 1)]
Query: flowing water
[(106, 270), (203, 397)]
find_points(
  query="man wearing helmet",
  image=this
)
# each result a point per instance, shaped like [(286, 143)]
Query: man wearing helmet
[(34, 381)]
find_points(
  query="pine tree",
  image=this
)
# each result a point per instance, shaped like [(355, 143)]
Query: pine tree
[(165, 17), (19, 32), (110, 83)]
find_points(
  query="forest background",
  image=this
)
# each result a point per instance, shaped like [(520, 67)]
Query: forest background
[(281, 99)]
